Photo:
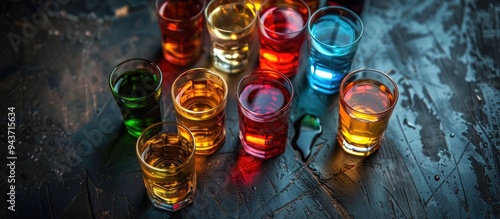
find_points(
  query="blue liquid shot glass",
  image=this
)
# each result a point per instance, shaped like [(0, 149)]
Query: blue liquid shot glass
[(334, 34)]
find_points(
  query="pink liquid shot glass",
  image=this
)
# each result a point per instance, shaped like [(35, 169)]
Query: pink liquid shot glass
[(264, 102)]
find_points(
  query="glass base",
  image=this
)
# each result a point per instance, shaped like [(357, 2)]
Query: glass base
[(260, 153), (133, 133), (178, 61), (208, 150), (357, 150), (324, 80), (177, 206), (229, 66), (321, 89), (288, 69)]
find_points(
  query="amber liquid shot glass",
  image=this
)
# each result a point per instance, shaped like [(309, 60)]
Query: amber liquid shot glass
[(136, 87), (200, 97), (264, 102), (231, 24), (181, 23), (166, 153), (367, 99)]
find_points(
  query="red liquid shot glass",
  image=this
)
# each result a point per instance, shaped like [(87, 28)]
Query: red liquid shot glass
[(282, 29), (264, 102), (181, 23)]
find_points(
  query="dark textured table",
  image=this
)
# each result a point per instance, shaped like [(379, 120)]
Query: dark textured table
[(73, 159)]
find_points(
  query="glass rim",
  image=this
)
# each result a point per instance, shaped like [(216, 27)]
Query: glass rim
[(383, 74), (157, 10), (205, 70), (157, 87), (139, 153), (231, 31), (258, 72), (309, 26), (279, 33)]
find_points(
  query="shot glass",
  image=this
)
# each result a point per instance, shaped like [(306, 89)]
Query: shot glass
[(264, 102), (334, 35), (136, 87), (200, 97), (282, 29), (231, 24), (181, 23), (166, 153), (367, 99)]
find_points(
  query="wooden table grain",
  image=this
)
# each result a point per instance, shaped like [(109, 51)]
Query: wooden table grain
[(439, 159)]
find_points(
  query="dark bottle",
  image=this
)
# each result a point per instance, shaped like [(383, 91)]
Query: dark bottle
[(354, 5)]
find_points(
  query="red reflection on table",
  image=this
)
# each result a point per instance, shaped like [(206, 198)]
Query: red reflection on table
[(246, 170), (170, 72)]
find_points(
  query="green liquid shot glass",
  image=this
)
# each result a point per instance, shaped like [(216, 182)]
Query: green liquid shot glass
[(136, 87)]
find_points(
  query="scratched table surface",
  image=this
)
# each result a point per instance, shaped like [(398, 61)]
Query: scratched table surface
[(440, 157)]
